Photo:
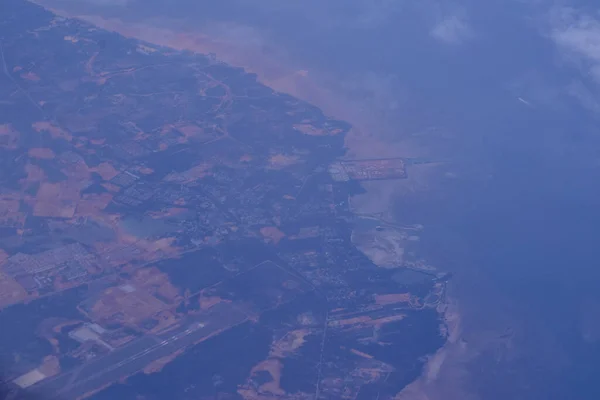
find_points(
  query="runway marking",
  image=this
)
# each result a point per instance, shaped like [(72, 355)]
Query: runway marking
[(195, 327)]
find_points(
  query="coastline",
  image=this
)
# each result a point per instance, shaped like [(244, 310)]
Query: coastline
[(361, 142)]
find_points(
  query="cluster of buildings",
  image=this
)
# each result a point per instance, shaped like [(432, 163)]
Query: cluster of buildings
[(40, 271)]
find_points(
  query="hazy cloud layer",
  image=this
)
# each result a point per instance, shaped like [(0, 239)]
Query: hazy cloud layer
[(452, 29), (577, 35)]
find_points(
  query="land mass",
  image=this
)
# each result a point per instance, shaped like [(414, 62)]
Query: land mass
[(169, 226)]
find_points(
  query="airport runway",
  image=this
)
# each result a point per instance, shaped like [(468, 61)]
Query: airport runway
[(134, 357)]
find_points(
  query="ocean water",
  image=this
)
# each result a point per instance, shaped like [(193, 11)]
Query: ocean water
[(523, 246), (519, 227)]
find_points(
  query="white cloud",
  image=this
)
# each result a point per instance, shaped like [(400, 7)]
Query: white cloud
[(577, 35), (452, 29)]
